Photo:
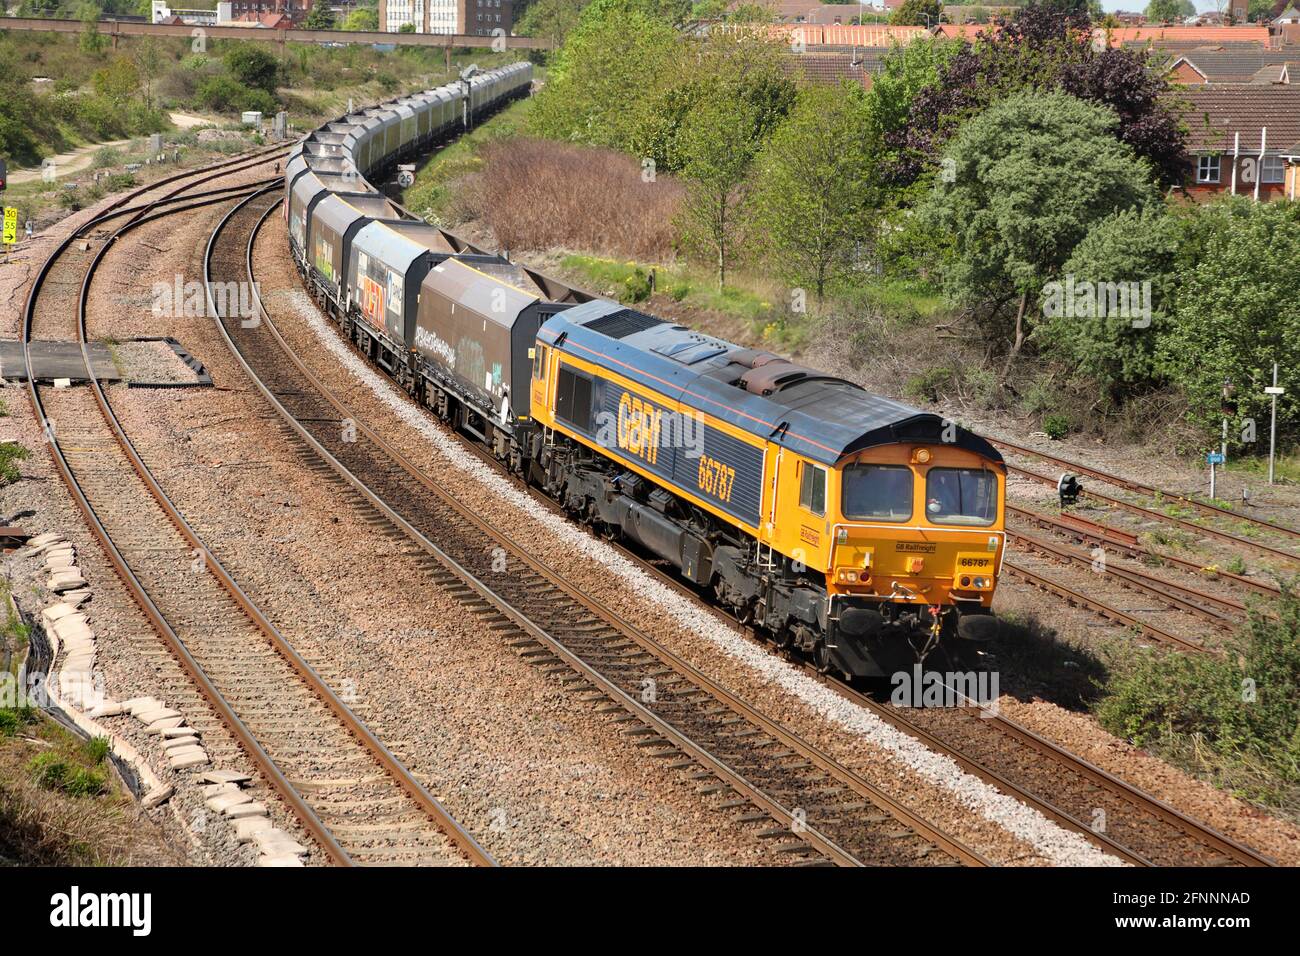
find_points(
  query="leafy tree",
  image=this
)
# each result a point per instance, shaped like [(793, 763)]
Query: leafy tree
[(1042, 48), (1016, 200), (1237, 309), (90, 41), (815, 187), (1164, 11), (742, 65), (553, 20), (406, 28), (320, 17), (362, 18), (117, 82), (905, 71), (149, 62), (916, 13), (609, 62), (1118, 350), (717, 147), (254, 66)]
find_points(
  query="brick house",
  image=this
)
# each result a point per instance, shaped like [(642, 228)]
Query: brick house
[(1243, 139)]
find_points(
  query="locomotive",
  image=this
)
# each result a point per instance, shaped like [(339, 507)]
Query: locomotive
[(848, 526)]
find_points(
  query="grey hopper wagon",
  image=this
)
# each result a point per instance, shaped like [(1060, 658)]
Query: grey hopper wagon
[(331, 224), (387, 262), (479, 329)]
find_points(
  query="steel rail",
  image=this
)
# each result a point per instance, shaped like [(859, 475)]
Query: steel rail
[(897, 718), (734, 779), (1184, 598), (423, 798), (1085, 530), (1151, 491), (1164, 518), (1101, 607), (256, 753)]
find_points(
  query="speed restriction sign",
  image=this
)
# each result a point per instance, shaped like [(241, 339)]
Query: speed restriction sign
[(11, 225)]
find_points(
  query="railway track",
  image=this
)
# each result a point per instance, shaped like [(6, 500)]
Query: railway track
[(1113, 814), (1151, 514), (1150, 491), (1086, 531), (802, 805), (1133, 825), (348, 792)]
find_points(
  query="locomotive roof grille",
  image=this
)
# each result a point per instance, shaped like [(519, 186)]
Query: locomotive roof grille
[(625, 322)]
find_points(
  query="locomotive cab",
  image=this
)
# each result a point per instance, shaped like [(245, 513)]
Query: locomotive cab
[(916, 524)]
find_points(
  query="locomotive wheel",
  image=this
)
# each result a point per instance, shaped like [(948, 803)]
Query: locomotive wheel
[(822, 658)]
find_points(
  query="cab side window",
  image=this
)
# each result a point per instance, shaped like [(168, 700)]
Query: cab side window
[(539, 362), (812, 488)]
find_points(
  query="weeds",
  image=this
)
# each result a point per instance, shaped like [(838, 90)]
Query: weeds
[(539, 195), (1238, 715)]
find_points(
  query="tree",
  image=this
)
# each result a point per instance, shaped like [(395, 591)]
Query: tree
[(1121, 252), (90, 41), (814, 188), (149, 61), (1015, 200), (254, 66), (362, 18), (916, 13), (117, 82), (610, 62), (552, 20), (717, 146), (320, 17), (1164, 11), (1042, 48), (1236, 312)]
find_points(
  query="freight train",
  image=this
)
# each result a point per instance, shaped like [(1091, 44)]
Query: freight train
[(850, 527)]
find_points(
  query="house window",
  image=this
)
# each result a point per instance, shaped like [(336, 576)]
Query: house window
[(1207, 169), (1271, 170), (812, 489)]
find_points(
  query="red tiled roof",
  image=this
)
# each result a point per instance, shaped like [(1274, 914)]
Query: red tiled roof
[(833, 68), (1204, 35), (1216, 112)]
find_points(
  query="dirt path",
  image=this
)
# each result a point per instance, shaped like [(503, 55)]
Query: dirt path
[(75, 160)]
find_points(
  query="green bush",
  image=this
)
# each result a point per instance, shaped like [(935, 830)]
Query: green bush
[(636, 287), (254, 67), (84, 782), (12, 719), (927, 386), (48, 770), (1057, 426), (225, 94), (97, 749), (1244, 706), (11, 452)]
